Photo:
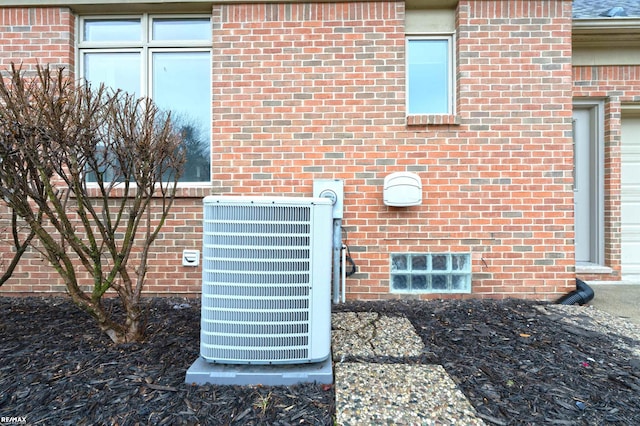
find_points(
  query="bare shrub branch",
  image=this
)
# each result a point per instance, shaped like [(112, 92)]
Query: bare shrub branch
[(55, 136)]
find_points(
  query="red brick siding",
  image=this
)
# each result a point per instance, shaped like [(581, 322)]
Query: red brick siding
[(182, 231), (617, 85), (30, 36), (308, 91), (37, 35), (165, 274)]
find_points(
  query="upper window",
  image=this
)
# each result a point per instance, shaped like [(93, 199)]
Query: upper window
[(429, 75), (165, 58)]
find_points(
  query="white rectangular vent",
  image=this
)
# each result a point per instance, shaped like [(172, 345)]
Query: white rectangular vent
[(266, 280)]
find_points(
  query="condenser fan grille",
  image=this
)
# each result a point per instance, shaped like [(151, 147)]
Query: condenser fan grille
[(258, 280), (257, 291), (230, 318), (261, 304)]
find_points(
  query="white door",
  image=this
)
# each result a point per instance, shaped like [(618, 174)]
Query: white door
[(630, 232), (588, 183), (582, 191)]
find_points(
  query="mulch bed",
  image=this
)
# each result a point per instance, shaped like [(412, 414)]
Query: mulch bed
[(515, 365), (58, 369), (520, 367)]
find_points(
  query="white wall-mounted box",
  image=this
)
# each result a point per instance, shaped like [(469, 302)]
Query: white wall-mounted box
[(190, 257), (402, 189)]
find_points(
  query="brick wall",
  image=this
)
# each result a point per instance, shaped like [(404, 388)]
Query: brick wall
[(316, 91), (309, 91), (165, 274), (29, 36), (617, 85), (37, 35)]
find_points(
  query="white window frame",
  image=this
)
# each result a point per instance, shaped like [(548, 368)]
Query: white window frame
[(595, 108), (451, 87), (146, 46)]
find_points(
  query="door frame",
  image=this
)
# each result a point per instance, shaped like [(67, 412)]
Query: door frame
[(627, 111), (596, 169)]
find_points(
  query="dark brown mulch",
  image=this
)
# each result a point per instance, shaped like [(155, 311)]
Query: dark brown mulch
[(56, 368), (516, 366)]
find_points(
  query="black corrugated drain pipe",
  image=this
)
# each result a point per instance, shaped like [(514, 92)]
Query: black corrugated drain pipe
[(581, 295)]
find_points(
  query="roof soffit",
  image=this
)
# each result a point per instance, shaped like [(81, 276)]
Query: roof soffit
[(613, 32)]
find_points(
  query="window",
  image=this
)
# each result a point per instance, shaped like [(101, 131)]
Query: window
[(431, 273), (164, 57), (429, 75)]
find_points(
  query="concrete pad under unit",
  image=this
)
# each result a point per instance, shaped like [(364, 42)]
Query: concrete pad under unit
[(202, 372)]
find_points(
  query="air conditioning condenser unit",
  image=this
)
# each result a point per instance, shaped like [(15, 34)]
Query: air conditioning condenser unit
[(266, 270)]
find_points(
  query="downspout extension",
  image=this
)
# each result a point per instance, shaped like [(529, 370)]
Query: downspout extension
[(581, 295)]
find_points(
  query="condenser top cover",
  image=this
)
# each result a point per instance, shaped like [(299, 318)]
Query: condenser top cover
[(402, 189)]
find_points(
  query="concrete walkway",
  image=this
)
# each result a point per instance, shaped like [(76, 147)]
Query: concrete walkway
[(389, 394), (379, 393), (621, 300)]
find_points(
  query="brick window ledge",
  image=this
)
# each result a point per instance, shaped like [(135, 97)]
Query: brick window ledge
[(433, 119), (592, 268), (183, 191)]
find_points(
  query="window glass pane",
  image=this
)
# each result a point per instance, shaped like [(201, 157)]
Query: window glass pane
[(181, 83), (109, 169), (459, 282), (400, 282), (439, 262), (181, 29), (439, 282), (419, 263), (419, 282), (399, 263), (112, 30), (428, 76), (119, 70), (459, 262)]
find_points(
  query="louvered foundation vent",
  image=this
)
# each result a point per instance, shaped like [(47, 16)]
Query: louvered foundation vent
[(266, 280)]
